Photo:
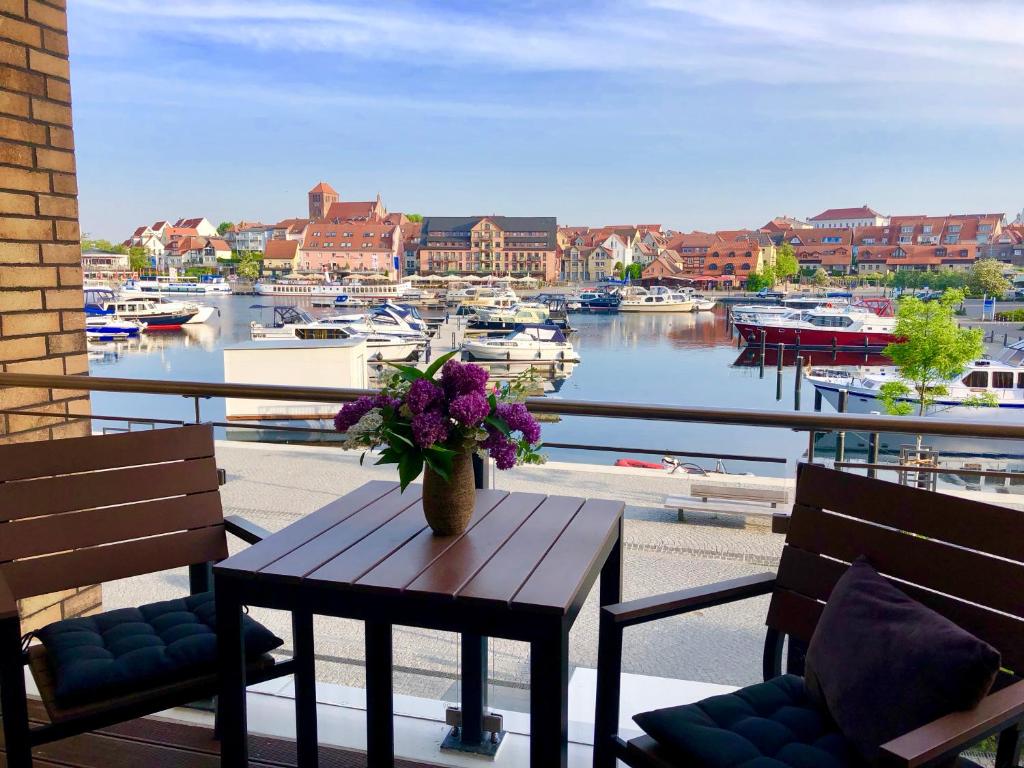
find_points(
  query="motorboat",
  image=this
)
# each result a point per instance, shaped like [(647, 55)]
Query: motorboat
[(746, 313), (506, 318), (290, 323), (157, 313), (656, 299), (107, 328), (390, 319), (822, 327), (594, 301), (207, 284), (533, 342), (997, 381), (483, 296), (702, 303)]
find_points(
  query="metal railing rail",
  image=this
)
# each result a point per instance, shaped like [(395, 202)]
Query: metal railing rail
[(803, 422)]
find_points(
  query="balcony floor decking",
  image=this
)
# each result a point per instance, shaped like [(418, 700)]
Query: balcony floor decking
[(158, 743)]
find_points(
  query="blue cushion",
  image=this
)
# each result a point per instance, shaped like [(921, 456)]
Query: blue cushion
[(132, 649), (769, 725)]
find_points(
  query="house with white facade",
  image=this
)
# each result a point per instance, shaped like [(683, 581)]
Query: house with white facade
[(848, 218)]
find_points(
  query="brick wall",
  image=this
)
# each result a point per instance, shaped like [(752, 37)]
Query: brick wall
[(41, 318)]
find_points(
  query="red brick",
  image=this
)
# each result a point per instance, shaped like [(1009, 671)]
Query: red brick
[(68, 230), (72, 321), (19, 397), (50, 112), (74, 364), (61, 254), (55, 42), (24, 229), (19, 130), (25, 180), (21, 81), (15, 301), (27, 276), (22, 348), (62, 137), (14, 54), (55, 160), (14, 203), (64, 298), (14, 154), (76, 428), (14, 104), (47, 16), (58, 90), (19, 253), (20, 32), (17, 423), (49, 366), (65, 183), (26, 323), (49, 64), (70, 276), (13, 7), (63, 343)]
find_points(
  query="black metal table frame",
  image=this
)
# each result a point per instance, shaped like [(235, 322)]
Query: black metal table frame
[(548, 636)]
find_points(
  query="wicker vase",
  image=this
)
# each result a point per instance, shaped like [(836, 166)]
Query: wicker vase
[(449, 505)]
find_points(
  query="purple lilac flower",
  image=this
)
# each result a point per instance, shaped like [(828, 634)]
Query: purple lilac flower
[(352, 412), (429, 428), (500, 448), (422, 395), (469, 410), (386, 401), (519, 419), (462, 379)]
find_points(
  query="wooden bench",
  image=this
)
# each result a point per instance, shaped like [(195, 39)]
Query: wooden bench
[(718, 499)]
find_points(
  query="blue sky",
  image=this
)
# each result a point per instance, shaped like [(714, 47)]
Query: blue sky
[(698, 114)]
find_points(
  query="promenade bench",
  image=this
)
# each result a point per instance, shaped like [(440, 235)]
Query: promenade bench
[(838, 517), (715, 499), (89, 510)]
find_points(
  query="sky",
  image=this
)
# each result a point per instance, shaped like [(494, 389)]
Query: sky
[(696, 114)]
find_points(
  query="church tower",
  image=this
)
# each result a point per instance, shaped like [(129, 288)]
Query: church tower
[(320, 198)]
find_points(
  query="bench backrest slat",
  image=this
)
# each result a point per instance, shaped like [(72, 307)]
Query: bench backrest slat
[(85, 510), (963, 559)]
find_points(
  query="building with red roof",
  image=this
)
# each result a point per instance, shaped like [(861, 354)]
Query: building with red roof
[(320, 198), (352, 247), (847, 218), (281, 256)]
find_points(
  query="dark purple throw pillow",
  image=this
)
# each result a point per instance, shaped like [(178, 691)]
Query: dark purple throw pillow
[(882, 664)]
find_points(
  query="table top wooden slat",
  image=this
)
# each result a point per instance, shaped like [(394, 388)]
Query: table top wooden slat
[(252, 559), (556, 581), (527, 545), (361, 557), (341, 537), (460, 563), (399, 570)]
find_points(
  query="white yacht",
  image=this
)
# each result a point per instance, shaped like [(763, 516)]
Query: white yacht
[(156, 312), (483, 296), (1000, 380), (391, 319), (526, 312), (657, 299), (526, 343), (292, 323)]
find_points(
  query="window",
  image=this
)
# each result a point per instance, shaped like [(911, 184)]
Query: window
[(976, 379), (1020, 380), (1002, 379), (906, 229)]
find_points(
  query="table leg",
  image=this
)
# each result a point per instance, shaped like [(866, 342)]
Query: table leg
[(474, 687), (549, 698), (231, 661), (305, 689), (609, 661), (380, 729)]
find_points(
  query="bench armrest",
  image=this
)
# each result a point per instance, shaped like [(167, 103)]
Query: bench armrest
[(247, 531), (941, 739), (684, 601)]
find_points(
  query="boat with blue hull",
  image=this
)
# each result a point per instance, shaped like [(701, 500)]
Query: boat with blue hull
[(156, 314)]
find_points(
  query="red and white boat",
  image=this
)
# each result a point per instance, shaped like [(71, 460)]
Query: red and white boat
[(822, 327)]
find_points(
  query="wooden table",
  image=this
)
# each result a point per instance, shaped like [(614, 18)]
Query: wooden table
[(521, 571)]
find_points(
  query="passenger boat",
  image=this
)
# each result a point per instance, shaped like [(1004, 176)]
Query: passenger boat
[(156, 313), (166, 284), (106, 328), (291, 323), (342, 292), (657, 299), (824, 327), (535, 342), (1001, 379)]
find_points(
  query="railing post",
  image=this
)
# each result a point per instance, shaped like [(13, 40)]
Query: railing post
[(873, 442), (844, 396), (798, 381)]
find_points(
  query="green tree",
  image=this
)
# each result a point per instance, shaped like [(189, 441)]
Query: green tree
[(757, 281), (635, 270), (223, 227), (249, 266), (138, 259), (934, 349), (105, 246), (417, 217), (617, 269), (786, 264), (821, 278), (986, 278)]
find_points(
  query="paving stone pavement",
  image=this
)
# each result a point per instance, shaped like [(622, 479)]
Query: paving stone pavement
[(275, 485)]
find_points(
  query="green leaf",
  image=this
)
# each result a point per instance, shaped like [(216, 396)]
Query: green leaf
[(498, 424), (410, 465), (435, 366), (440, 462), (407, 372), (392, 434)]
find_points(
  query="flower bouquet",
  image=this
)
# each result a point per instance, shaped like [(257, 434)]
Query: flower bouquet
[(433, 425)]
